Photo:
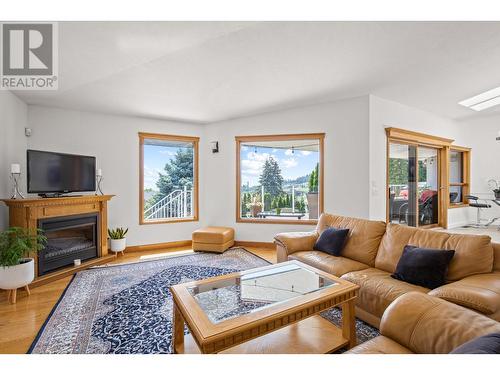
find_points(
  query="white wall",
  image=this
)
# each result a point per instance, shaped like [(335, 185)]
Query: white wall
[(115, 143), (13, 115), (355, 158), (346, 162), (481, 135), (385, 113)]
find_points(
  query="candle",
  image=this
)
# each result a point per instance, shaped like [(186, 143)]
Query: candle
[(15, 169), (99, 172)]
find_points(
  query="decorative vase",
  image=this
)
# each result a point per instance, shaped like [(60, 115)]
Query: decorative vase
[(118, 245), (20, 275)]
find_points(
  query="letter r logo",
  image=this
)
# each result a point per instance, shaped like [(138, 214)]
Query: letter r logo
[(27, 49)]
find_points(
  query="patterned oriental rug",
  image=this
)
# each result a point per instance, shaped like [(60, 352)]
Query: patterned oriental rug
[(127, 309)]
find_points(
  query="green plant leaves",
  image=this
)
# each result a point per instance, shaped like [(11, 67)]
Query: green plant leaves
[(117, 233), (16, 243)]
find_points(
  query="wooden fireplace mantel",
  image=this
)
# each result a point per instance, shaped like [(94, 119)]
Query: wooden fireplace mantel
[(25, 213)]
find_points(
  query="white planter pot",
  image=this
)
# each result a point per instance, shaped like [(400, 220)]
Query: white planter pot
[(14, 277), (118, 245)]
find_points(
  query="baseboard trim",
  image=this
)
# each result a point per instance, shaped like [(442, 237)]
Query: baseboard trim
[(158, 246), (174, 244), (264, 245)]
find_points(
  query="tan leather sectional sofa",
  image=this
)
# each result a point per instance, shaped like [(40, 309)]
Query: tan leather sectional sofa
[(419, 323), (372, 252)]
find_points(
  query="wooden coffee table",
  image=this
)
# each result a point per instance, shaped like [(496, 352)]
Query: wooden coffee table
[(271, 309)]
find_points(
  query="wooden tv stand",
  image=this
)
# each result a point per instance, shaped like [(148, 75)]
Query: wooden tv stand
[(25, 213)]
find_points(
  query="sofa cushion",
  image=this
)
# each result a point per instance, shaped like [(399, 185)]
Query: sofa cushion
[(477, 292), (379, 345), (378, 289), (487, 344), (473, 254), (335, 265), (332, 241), (364, 236), (424, 267), (430, 325), (496, 256)]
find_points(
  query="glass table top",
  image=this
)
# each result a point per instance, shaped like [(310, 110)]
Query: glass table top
[(233, 297)]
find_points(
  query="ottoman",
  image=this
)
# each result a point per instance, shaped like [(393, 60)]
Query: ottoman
[(216, 239)]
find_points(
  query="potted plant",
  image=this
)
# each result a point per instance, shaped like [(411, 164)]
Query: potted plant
[(15, 269), (255, 207), (312, 195), (118, 239)]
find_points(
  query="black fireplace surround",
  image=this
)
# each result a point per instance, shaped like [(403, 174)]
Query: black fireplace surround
[(68, 238)]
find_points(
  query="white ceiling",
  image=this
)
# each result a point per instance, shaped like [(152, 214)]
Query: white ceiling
[(211, 71)]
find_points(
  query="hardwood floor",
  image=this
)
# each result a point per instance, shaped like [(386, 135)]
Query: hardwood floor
[(20, 323)]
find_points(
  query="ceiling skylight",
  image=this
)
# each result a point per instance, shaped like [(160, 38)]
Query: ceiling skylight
[(482, 101)]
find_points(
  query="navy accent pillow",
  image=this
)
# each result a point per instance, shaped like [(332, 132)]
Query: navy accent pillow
[(424, 267), (487, 344), (332, 241)]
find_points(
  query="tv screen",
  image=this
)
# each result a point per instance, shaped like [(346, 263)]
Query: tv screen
[(52, 172)]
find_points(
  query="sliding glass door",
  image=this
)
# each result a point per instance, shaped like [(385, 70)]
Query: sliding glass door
[(413, 184)]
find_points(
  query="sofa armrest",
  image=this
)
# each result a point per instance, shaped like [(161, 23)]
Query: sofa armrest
[(477, 292), (426, 324), (288, 243)]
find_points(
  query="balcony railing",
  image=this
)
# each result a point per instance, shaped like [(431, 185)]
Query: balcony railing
[(177, 204)]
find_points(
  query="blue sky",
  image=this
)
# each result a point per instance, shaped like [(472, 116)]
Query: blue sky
[(293, 165), (155, 158)]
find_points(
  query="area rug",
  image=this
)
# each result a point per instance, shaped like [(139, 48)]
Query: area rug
[(127, 309)]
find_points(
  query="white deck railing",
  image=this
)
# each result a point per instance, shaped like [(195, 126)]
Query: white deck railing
[(177, 204)]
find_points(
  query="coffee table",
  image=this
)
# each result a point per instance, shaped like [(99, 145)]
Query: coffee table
[(271, 309)]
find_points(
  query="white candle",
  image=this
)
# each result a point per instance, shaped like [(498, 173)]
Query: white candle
[(15, 168), (99, 172)]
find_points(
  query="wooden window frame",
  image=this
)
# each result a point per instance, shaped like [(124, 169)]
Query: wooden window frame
[(444, 145), (168, 137), (280, 137), (403, 136), (465, 184)]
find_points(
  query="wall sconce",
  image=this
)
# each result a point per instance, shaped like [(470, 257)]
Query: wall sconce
[(498, 136), (215, 147)]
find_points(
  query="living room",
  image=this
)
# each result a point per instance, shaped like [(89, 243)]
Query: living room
[(264, 187)]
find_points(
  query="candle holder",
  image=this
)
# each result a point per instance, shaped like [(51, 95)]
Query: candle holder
[(15, 175), (98, 178)]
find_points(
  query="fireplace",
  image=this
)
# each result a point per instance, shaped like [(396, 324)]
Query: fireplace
[(68, 238)]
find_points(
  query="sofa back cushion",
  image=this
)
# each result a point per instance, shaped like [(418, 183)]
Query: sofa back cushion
[(496, 256), (364, 236), (473, 254)]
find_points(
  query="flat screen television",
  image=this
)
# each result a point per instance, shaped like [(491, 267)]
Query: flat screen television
[(54, 173)]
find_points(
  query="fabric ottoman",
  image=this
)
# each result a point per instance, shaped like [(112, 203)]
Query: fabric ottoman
[(216, 239)]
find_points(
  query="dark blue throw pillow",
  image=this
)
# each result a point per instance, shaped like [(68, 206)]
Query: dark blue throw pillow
[(487, 344), (332, 241), (424, 267)]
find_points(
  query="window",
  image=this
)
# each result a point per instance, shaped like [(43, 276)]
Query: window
[(279, 178), (168, 178), (459, 177), (416, 180), (413, 191), (426, 175)]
